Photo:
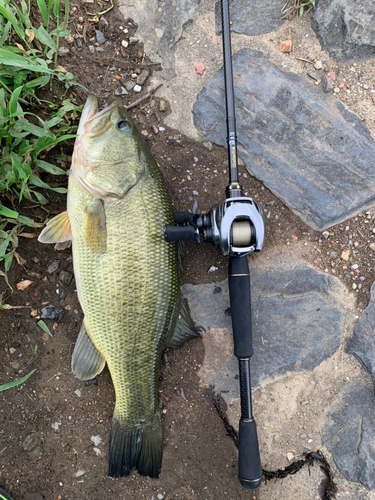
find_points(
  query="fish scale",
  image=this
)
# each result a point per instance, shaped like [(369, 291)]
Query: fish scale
[(131, 320)]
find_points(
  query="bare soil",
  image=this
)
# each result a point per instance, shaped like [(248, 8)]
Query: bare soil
[(46, 451)]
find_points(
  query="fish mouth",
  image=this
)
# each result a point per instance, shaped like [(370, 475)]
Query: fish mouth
[(89, 110), (93, 122)]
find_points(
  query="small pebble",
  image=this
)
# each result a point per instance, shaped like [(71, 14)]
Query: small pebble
[(121, 91), (103, 23), (212, 269), (318, 65), (79, 473), (55, 264), (285, 46), (137, 88), (313, 75), (345, 255), (91, 49), (50, 312), (100, 38), (15, 365), (56, 425), (65, 278), (96, 439), (129, 85), (195, 193), (78, 393), (327, 84), (142, 77)]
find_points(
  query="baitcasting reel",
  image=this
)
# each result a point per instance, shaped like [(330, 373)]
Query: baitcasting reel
[(235, 226)]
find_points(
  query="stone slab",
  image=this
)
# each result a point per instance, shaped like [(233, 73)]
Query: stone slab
[(251, 17), (346, 29), (297, 315), (362, 343), (349, 433), (160, 26), (306, 146)]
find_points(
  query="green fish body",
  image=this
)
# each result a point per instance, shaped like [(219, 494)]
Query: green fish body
[(126, 276)]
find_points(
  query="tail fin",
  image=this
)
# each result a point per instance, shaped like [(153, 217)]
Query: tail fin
[(139, 446)]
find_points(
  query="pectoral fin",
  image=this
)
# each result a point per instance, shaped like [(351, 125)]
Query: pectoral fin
[(58, 230), (184, 329), (96, 230), (87, 362)]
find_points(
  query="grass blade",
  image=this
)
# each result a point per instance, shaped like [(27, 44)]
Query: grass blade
[(13, 101), (7, 212), (43, 10), (8, 58), (44, 327), (51, 169), (46, 38), (12, 19), (16, 382)]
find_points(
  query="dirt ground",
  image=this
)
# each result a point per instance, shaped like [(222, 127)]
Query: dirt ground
[(48, 424)]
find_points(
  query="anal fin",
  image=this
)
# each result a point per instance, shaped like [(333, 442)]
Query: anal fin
[(87, 361), (184, 329)]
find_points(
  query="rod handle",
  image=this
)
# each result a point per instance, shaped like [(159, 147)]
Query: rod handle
[(240, 306), (249, 465)]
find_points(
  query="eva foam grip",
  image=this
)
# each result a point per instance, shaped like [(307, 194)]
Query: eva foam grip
[(240, 306), (249, 466)]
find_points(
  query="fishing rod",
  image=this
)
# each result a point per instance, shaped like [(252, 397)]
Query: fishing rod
[(236, 228)]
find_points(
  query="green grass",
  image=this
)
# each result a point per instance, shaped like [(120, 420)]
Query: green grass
[(297, 7), (20, 381), (28, 62)]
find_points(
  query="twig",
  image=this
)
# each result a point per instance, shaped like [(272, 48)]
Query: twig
[(132, 104), (304, 60)]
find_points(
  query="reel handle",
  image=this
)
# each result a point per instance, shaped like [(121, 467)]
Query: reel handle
[(249, 464)]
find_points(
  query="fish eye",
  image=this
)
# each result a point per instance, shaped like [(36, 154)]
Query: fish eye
[(123, 126)]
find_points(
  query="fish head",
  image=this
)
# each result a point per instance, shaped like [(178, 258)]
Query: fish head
[(107, 158)]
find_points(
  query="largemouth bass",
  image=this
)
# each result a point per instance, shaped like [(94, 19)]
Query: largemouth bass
[(126, 276)]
